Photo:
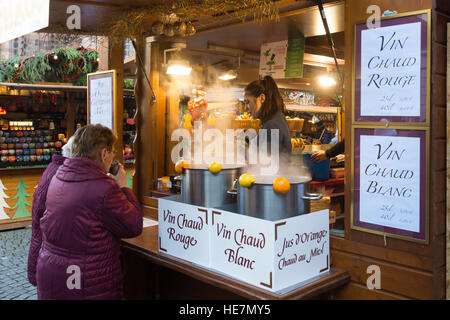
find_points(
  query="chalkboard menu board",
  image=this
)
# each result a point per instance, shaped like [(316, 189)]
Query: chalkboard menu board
[(391, 70), (101, 98), (390, 182)]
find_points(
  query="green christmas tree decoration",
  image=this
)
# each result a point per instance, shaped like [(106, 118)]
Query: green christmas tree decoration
[(129, 180), (21, 203), (3, 203)]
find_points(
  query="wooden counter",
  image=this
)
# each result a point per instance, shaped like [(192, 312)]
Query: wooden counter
[(150, 274)]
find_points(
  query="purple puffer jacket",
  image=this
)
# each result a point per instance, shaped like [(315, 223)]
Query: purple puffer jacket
[(86, 215), (37, 211)]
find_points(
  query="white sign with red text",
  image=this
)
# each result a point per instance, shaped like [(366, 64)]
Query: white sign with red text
[(302, 248), (183, 231), (272, 255), (242, 247)]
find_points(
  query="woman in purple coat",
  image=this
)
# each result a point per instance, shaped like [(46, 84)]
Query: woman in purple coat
[(87, 212), (38, 208)]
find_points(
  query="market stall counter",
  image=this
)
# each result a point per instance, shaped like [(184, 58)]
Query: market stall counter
[(150, 274)]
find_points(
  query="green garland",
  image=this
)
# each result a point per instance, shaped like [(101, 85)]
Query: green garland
[(60, 65)]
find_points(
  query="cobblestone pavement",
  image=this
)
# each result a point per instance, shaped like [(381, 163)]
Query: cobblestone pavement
[(14, 246)]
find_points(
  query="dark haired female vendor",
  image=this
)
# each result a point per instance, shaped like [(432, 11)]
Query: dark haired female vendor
[(264, 102)]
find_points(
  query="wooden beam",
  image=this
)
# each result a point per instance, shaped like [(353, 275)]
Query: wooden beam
[(158, 117), (97, 3), (115, 61)]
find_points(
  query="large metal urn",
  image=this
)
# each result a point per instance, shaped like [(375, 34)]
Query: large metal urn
[(261, 201), (201, 187)]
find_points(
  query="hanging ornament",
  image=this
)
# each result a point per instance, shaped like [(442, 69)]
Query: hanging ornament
[(180, 28), (190, 29), (158, 28), (169, 30)]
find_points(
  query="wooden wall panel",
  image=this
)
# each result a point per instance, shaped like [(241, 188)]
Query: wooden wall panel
[(440, 17), (402, 258), (447, 113), (394, 278), (356, 291), (150, 212), (405, 263)]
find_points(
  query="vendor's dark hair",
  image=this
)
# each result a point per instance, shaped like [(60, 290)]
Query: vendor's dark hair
[(273, 102)]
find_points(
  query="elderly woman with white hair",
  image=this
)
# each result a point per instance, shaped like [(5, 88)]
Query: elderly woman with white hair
[(38, 207)]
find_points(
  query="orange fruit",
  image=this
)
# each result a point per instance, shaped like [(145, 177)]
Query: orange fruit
[(180, 165), (281, 185)]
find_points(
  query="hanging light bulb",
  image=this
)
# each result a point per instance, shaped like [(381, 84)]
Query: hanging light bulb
[(55, 57), (178, 68), (326, 81), (229, 75), (16, 65)]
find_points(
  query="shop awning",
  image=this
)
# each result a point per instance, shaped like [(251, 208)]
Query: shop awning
[(96, 14)]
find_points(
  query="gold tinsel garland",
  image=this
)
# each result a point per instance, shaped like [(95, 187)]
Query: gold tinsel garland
[(134, 22)]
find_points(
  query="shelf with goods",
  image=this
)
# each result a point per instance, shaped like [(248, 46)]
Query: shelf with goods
[(33, 127), (312, 108), (34, 124)]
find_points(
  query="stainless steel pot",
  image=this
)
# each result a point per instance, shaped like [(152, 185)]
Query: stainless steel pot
[(261, 201), (200, 187)]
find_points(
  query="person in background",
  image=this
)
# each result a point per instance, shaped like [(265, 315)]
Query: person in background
[(87, 213), (264, 101), (322, 133), (322, 155), (38, 208)]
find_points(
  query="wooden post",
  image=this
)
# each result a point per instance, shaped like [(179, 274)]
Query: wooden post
[(143, 143), (115, 61), (173, 106), (103, 54), (71, 113)]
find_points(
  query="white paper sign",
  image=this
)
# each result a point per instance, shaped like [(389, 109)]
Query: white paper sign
[(390, 181), (20, 17), (101, 101), (390, 70), (273, 59), (183, 231), (243, 247), (302, 249), (270, 255)]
